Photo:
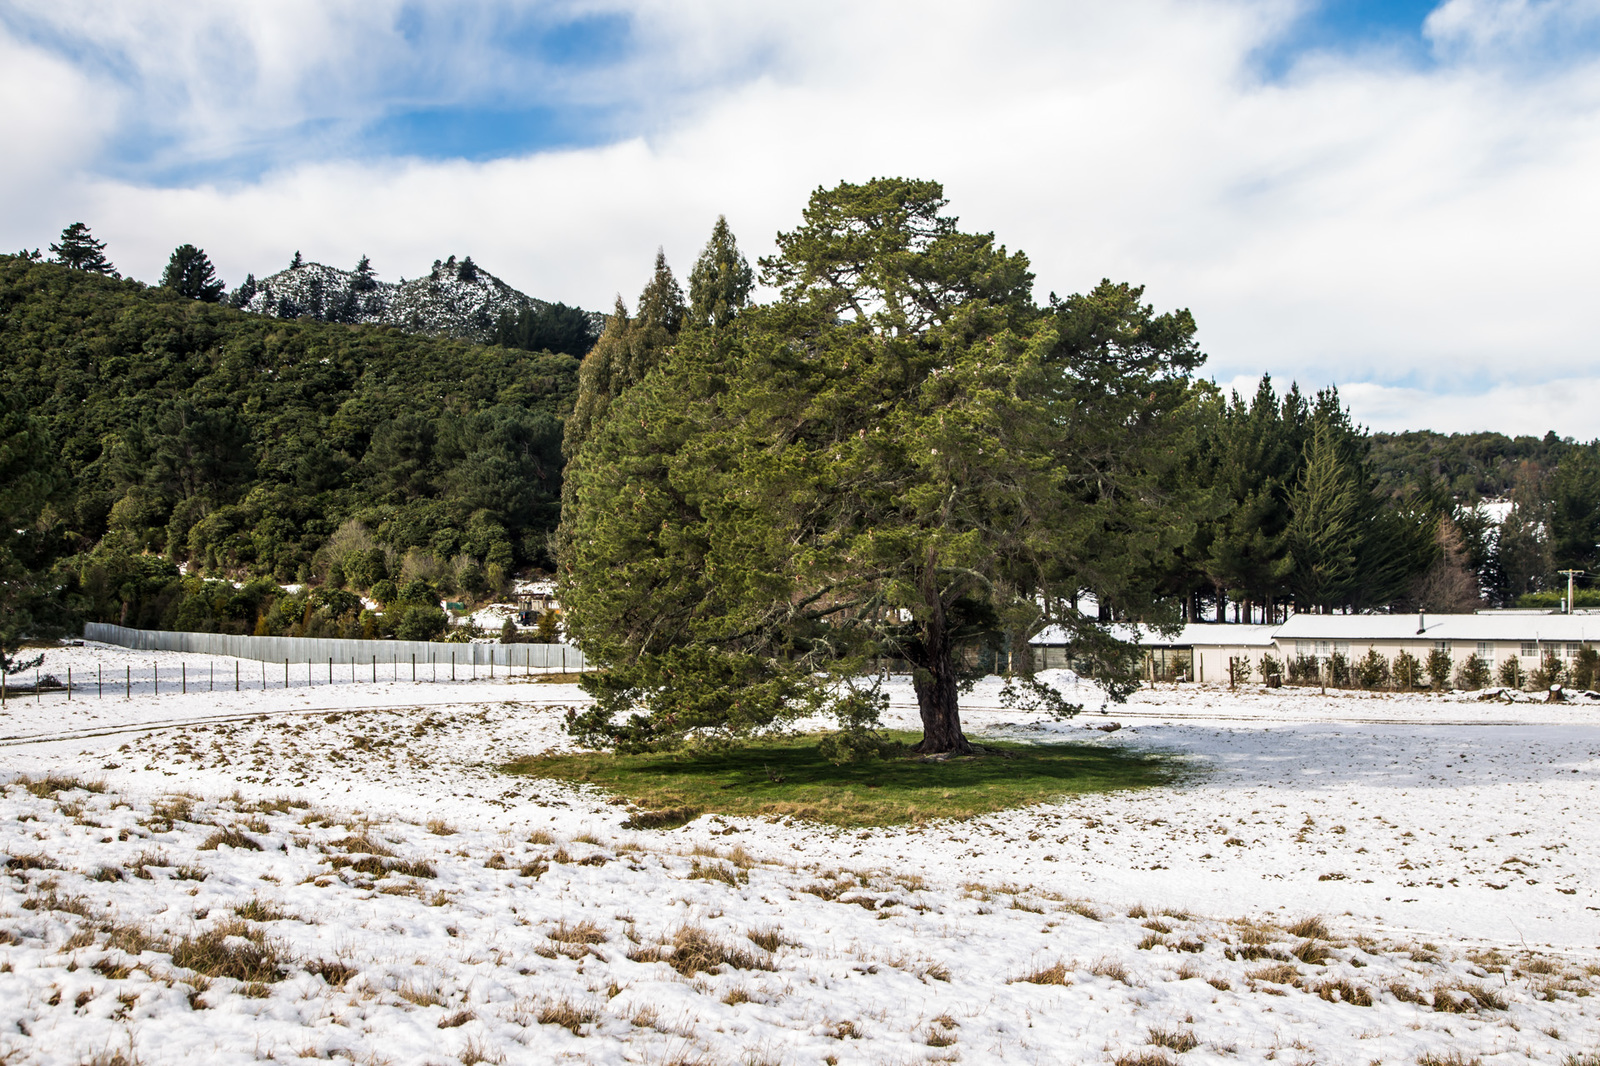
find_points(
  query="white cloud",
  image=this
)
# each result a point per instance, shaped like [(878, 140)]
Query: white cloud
[(1426, 232)]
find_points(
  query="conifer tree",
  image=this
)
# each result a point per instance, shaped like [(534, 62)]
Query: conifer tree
[(1324, 532), (719, 284), (190, 273), (80, 251), (297, 262), (467, 271), (364, 280), (901, 456), (628, 349)]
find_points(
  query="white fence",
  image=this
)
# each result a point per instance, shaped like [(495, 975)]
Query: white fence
[(525, 658)]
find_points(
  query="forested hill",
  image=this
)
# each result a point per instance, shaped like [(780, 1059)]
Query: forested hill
[(241, 442), (1464, 464)]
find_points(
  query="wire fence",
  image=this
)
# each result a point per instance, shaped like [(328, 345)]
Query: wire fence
[(239, 664)]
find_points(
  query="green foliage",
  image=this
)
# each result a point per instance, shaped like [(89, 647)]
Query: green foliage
[(1406, 671), (900, 456), (553, 328), (1550, 672), (1585, 668), (1511, 674), (1339, 672), (1474, 674), (1239, 669), (190, 273), (1440, 666), (789, 776), (1372, 671), (79, 250), (241, 444), (1270, 667), (1304, 670), (28, 475), (1553, 600)]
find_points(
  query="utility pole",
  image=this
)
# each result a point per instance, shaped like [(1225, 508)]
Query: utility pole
[(1570, 575)]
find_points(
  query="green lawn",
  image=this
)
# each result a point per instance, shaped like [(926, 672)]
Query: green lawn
[(787, 776)]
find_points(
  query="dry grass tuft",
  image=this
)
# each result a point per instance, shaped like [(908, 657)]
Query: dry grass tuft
[(1281, 974), (1057, 974), (1342, 991), (1111, 968), (1312, 952), (232, 838), (362, 844), (440, 828), (767, 938), (1454, 1058), (256, 910), (48, 785), (337, 974), (567, 1014), (456, 1020), (1145, 1058), (584, 932), (1311, 928), (1179, 1040), (35, 861), (231, 949), (693, 950)]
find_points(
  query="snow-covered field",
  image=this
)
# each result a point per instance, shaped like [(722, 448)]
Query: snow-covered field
[(339, 871)]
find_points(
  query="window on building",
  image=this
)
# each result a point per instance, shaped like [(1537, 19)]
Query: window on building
[(1441, 645), (1530, 649), (1342, 647), (1323, 648), (1486, 650), (1573, 650)]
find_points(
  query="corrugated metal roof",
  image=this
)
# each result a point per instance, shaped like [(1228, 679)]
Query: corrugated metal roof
[(1210, 634)]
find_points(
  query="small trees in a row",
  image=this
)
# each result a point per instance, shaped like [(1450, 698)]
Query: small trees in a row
[(1406, 672)]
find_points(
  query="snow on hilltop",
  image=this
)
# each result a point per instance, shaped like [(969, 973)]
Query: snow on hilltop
[(457, 299)]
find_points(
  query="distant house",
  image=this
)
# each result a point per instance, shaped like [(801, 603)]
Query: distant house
[(533, 600), (1201, 651)]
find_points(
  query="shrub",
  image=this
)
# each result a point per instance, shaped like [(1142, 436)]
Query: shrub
[(1511, 674), (1551, 672), (1303, 670), (1270, 667), (1440, 666), (1406, 671), (1474, 674), (1584, 669), (1372, 671), (1239, 668), (1339, 670)]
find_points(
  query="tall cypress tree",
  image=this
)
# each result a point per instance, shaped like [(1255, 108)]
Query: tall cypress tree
[(1324, 532), (190, 273), (719, 284)]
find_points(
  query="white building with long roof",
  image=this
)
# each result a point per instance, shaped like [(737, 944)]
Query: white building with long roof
[(1202, 651)]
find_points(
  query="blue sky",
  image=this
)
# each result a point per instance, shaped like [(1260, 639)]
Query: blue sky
[(1391, 197)]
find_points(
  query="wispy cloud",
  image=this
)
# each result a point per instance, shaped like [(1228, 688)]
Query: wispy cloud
[(1355, 217)]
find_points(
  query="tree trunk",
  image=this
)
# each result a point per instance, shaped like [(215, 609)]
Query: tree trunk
[(935, 683)]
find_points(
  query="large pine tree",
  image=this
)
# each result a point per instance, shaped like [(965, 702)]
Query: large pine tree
[(900, 456), (190, 273), (80, 251)]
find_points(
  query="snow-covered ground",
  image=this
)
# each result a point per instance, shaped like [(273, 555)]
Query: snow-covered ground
[(1448, 844)]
